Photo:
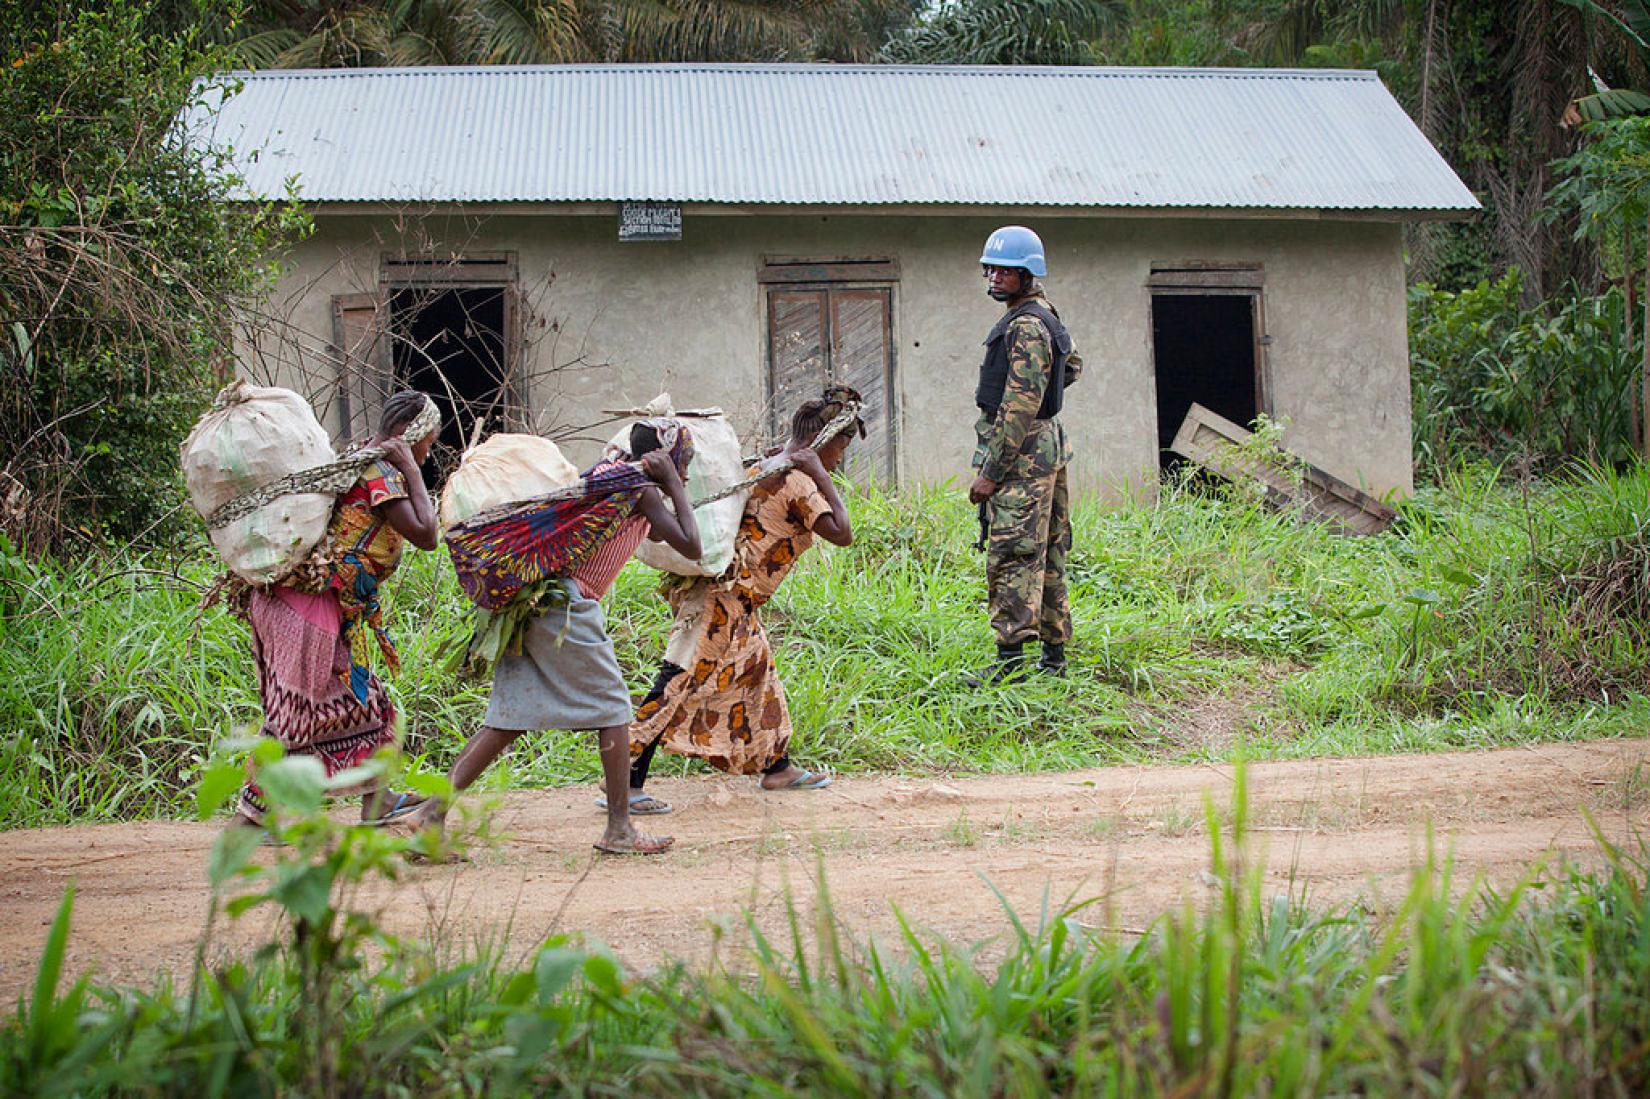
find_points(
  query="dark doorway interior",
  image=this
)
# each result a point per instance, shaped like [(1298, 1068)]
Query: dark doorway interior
[(450, 344), (1204, 351)]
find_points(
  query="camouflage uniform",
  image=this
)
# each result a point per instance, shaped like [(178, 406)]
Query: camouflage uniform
[(1029, 514)]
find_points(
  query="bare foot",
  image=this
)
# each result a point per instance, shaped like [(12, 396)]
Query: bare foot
[(428, 822), (632, 842), (430, 815), (266, 838)]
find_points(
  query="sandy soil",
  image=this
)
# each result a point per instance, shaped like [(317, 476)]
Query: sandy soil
[(1338, 829)]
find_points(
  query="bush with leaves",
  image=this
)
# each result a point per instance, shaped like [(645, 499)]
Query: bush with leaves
[(125, 268), (1495, 380)]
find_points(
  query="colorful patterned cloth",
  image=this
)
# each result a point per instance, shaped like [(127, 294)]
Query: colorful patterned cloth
[(310, 702), (365, 550), (726, 704), (499, 553), (596, 574)]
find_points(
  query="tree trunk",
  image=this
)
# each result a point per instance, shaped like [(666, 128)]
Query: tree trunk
[(1629, 269)]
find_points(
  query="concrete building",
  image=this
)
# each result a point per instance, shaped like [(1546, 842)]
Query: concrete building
[(540, 244)]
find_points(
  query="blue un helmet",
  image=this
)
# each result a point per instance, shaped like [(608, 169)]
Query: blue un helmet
[(1015, 246)]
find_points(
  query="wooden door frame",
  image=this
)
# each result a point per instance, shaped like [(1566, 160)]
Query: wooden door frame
[(363, 366), (470, 271), (779, 272), (1204, 279)]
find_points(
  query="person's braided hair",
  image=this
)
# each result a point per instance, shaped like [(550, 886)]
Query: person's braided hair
[(811, 418), (400, 410)]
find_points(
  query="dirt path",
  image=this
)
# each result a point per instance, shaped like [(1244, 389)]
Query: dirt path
[(1340, 828)]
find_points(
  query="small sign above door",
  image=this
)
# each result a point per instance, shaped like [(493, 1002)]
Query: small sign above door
[(650, 221)]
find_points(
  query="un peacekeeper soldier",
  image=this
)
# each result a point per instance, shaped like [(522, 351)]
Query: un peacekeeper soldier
[(1021, 460)]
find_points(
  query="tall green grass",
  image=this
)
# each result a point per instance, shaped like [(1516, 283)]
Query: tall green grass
[(1491, 614), (1458, 989)]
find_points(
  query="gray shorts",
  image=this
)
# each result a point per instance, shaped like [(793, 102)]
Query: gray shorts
[(566, 676)]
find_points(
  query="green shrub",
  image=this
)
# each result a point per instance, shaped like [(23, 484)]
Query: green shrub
[(1517, 594), (126, 269), (1494, 381), (1543, 989)]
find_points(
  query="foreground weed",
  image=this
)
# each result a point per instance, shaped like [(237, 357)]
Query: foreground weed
[(962, 832)]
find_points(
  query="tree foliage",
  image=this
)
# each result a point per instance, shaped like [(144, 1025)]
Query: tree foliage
[(124, 271), (1006, 32), (1538, 386), (1488, 81), (1633, 28), (355, 33)]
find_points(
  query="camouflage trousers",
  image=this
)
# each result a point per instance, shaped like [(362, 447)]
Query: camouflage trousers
[(1025, 563)]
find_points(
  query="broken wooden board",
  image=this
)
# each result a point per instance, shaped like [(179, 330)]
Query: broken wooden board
[(1215, 443)]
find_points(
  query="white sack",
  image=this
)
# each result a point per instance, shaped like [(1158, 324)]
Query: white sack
[(260, 434), (716, 465), (502, 470)]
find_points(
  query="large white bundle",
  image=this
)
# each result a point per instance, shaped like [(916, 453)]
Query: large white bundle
[(716, 465), (502, 470), (252, 436)]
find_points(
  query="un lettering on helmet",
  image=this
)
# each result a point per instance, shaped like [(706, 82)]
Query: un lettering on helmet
[(1015, 246)]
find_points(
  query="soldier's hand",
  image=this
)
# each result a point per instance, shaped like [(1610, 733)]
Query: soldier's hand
[(981, 490)]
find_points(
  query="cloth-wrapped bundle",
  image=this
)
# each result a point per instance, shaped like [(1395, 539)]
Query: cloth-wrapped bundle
[(536, 522), (510, 558), (253, 436)]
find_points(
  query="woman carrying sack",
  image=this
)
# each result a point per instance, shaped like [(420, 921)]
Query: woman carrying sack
[(717, 696), (314, 632), (564, 674)]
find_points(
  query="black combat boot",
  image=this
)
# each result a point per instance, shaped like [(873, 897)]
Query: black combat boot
[(1053, 660), (1009, 665)]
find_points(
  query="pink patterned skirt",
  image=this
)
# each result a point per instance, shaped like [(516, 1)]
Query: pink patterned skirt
[(304, 682)]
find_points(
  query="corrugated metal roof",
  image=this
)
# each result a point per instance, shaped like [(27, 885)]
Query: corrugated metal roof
[(835, 135)]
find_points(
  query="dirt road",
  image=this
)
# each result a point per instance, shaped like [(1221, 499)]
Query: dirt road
[(1339, 828)]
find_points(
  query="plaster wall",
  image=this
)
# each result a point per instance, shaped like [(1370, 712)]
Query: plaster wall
[(616, 323)]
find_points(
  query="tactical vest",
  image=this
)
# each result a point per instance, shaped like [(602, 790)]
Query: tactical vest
[(988, 395)]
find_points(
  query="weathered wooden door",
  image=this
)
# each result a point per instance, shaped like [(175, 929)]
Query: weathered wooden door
[(360, 351), (819, 335)]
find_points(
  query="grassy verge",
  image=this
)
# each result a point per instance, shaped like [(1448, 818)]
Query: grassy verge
[(1490, 615)]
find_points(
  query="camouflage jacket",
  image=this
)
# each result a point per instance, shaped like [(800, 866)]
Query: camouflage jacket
[(1014, 444)]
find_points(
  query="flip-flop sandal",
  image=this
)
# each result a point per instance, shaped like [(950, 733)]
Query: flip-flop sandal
[(642, 805), (403, 805), (643, 845), (807, 780)]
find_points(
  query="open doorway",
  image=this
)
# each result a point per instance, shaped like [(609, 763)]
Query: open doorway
[(450, 344), (1203, 350), (450, 325), (447, 326)]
